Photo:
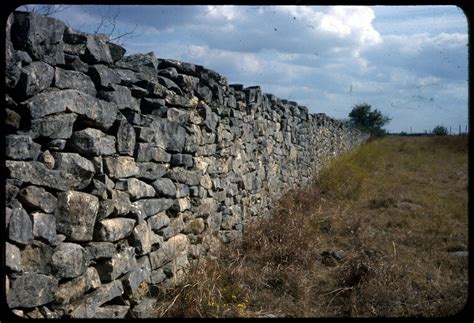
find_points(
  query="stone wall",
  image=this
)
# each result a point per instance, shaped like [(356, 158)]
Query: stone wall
[(121, 170)]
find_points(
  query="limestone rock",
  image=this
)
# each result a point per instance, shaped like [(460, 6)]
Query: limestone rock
[(111, 311), (121, 167), (164, 186), (142, 238), (77, 287), (93, 142), (75, 170), (21, 147), (151, 170), (155, 205), (68, 260), (114, 229), (58, 126), (99, 250), (122, 262), (34, 78), (12, 257), (76, 214), (44, 226), (125, 138), (158, 221), (38, 198), (66, 79), (20, 228), (31, 289), (138, 189)]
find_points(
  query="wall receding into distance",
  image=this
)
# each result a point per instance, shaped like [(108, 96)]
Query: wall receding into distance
[(122, 170)]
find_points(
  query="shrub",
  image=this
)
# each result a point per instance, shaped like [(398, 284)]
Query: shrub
[(440, 131)]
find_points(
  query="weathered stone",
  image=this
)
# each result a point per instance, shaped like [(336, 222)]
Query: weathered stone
[(132, 280), (204, 93), (58, 126), (121, 96), (20, 228), (75, 171), (76, 214), (158, 276), (12, 120), (158, 221), (176, 226), (182, 190), (121, 202), (68, 260), (170, 250), (125, 138), (116, 51), (103, 76), (120, 167), (97, 51), (189, 177), (111, 312), (66, 79), (182, 160), (138, 189), (56, 144), (122, 262), (148, 59), (154, 206), (86, 307), (98, 250), (36, 257), (12, 257), (93, 142), (40, 36), (142, 238), (34, 78), (37, 198), (21, 147), (195, 226), (165, 186), (206, 182), (31, 289), (210, 118), (46, 158), (77, 287), (206, 207), (114, 229), (181, 101), (75, 63), (187, 83), (169, 135), (147, 152), (151, 170), (181, 204), (146, 309), (44, 226)]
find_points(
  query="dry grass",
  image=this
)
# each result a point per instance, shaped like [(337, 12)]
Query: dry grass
[(390, 213)]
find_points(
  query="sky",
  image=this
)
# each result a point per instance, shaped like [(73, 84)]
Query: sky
[(409, 62)]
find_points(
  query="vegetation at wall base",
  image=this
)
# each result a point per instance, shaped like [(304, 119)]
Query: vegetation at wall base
[(384, 237)]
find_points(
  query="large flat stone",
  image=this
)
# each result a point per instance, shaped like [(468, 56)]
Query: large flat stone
[(93, 142), (31, 289), (121, 167), (75, 170), (121, 263), (58, 126), (38, 198), (68, 260), (114, 229), (77, 287), (21, 147), (67, 79)]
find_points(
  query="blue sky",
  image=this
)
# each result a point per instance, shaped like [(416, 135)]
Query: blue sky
[(410, 62)]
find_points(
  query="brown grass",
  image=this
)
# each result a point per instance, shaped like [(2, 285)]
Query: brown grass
[(391, 212)]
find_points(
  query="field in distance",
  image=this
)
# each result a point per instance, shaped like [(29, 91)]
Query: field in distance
[(382, 232)]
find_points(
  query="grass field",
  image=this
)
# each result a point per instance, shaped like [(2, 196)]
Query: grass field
[(373, 236)]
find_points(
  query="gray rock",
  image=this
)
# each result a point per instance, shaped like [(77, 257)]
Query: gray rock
[(158, 276), (210, 118), (86, 307), (181, 204), (182, 160), (34, 78), (77, 287), (40, 36), (104, 77), (21, 147), (142, 238), (181, 101), (57, 144), (206, 207), (132, 280), (176, 226), (187, 83), (125, 138), (31, 289), (75, 170), (68, 260), (158, 221), (177, 115), (121, 202), (36, 173), (195, 226), (181, 175), (46, 158), (146, 309), (148, 59), (37, 198), (12, 257), (147, 152), (182, 190), (171, 249), (93, 142), (204, 93), (114, 229), (154, 206), (98, 250), (36, 257), (122, 262), (75, 63), (121, 167), (121, 96), (58, 126), (151, 170), (169, 135), (44, 226), (76, 214), (165, 187), (20, 228), (116, 51), (138, 189), (65, 79), (111, 311), (12, 120), (169, 84), (97, 51)]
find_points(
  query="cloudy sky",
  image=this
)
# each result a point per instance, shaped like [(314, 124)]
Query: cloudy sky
[(410, 62)]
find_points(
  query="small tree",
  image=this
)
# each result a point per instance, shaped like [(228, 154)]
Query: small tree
[(363, 118), (440, 131)]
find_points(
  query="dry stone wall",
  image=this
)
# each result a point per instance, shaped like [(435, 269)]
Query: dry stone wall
[(121, 170)]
